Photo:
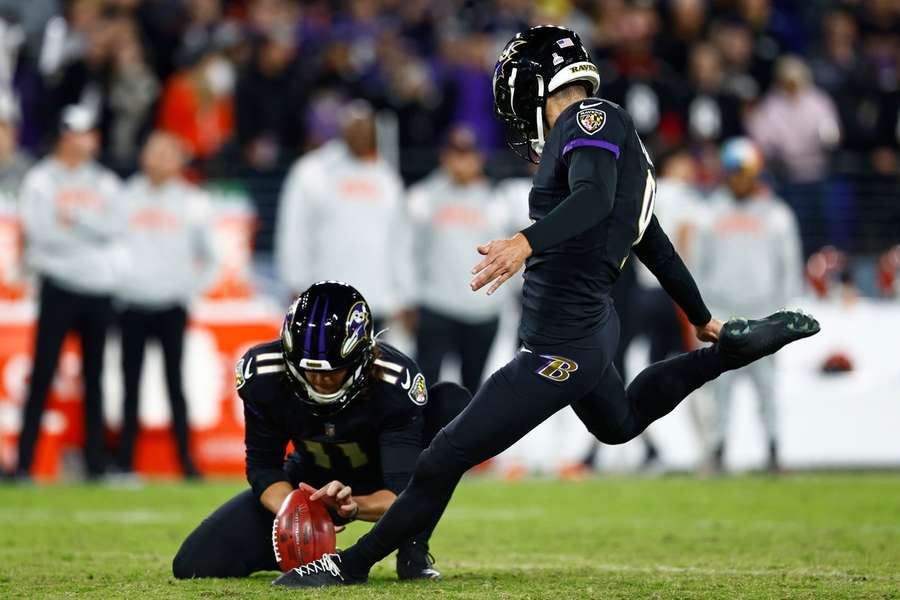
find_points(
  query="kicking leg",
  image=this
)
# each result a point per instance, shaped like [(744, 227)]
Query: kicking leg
[(616, 415)]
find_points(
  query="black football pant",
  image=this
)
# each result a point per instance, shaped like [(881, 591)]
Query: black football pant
[(236, 539), (61, 311), (440, 335), (648, 313), (137, 327), (538, 382)]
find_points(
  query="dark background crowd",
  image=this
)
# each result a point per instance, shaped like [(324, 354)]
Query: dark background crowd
[(250, 85), (336, 117)]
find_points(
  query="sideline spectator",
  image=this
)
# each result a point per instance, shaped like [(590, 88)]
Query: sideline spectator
[(797, 126), (197, 105), (14, 163), (712, 112), (172, 260), (452, 211), (72, 218), (342, 217), (270, 103), (133, 89), (749, 263)]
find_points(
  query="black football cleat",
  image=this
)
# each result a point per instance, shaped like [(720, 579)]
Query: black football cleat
[(323, 572), (747, 340), (417, 564)]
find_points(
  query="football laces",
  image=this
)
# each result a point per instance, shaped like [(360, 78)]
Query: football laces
[(275, 540)]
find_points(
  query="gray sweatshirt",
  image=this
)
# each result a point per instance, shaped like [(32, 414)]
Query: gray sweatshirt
[(678, 205), (449, 222), (343, 218), (11, 175), (170, 244), (73, 221), (748, 257)]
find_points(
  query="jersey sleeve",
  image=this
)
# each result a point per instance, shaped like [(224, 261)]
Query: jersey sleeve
[(590, 144), (596, 124), (592, 185), (265, 441), (400, 437)]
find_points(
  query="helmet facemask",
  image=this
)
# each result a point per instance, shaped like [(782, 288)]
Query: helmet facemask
[(328, 328), (519, 101), (532, 66), (328, 404)]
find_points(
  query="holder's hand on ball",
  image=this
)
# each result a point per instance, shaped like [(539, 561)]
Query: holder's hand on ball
[(338, 496)]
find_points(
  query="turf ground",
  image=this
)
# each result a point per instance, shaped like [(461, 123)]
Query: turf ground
[(815, 536)]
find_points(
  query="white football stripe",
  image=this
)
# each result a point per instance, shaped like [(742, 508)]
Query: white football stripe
[(266, 356), (389, 365), (270, 369)]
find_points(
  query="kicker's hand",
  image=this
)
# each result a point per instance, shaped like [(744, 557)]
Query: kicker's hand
[(339, 497), (709, 332), (502, 260)]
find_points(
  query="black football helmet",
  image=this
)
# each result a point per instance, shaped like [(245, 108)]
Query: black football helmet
[(328, 327), (533, 65)]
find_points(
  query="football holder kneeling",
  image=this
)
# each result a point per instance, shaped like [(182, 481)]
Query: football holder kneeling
[(302, 531)]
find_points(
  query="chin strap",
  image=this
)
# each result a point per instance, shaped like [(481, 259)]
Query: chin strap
[(537, 144)]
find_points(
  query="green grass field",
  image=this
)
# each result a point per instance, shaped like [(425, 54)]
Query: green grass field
[(816, 536)]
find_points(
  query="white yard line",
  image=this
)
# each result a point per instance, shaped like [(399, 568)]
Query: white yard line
[(620, 568), (492, 514), (88, 517)]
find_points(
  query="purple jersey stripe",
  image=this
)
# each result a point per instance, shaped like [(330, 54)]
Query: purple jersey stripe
[(307, 342), (581, 142), (322, 355)]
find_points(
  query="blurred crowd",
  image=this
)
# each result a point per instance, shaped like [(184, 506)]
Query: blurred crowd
[(250, 85), (363, 132)]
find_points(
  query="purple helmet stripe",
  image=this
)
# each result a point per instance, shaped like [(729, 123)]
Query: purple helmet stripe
[(307, 342), (322, 354)]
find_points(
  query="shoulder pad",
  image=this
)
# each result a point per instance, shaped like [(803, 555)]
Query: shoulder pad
[(259, 361), (595, 123), (401, 372)]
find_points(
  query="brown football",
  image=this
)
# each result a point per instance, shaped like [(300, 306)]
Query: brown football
[(302, 531)]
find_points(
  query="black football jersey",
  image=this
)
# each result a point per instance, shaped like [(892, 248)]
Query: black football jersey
[(566, 291), (371, 444)]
